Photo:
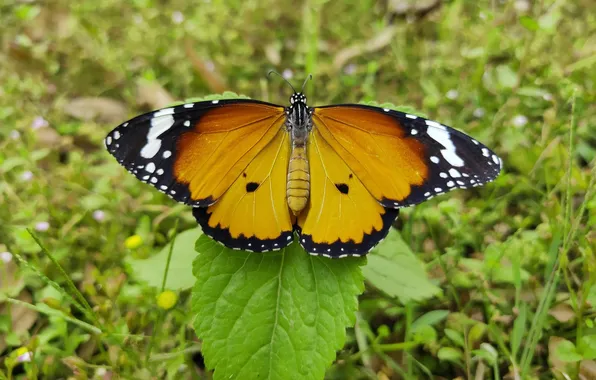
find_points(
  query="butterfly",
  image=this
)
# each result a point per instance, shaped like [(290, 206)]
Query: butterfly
[(256, 174)]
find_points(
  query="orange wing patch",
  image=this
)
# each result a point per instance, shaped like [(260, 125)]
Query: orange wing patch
[(221, 144), (253, 213), (342, 218), (374, 146)]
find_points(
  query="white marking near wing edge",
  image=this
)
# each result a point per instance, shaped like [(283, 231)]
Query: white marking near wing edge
[(441, 135), (161, 122)]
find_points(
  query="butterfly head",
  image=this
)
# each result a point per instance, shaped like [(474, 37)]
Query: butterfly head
[(298, 115), (297, 97)]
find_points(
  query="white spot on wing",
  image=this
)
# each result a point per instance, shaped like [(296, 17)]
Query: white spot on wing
[(496, 159), (485, 152), (116, 135), (165, 111), (109, 140), (441, 135), (150, 167), (454, 173), (414, 131), (151, 148), (434, 159), (189, 105), (166, 154), (161, 122), (431, 123), (411, 116), (215, 101)]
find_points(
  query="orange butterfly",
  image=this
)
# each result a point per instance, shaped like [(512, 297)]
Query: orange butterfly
[(336, 176)]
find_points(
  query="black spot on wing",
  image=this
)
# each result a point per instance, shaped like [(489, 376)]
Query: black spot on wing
[(475, 164), (251, 187), (342, 187)]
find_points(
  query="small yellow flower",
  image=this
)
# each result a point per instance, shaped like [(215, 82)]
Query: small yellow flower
[(133, 242), (167, 299)]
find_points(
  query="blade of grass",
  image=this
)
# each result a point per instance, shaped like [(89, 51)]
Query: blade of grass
[(163, 287), (52, 312), (570, 228), (83, 302), (55, 285)]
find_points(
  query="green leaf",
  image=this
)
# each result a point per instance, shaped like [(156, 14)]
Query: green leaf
[(566, 352), (279, 315), (180, 271), (506, 76), (395, 270), (455, 337), (429, 319), (587, 346), (519, 330), (450, 354), (529, 23)]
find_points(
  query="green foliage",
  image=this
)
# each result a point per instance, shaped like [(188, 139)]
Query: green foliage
[(394, 269), (179, 275), (514, 260), (277, 315)]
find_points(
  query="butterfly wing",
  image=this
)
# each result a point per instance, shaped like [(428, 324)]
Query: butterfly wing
[(253, 214), (228, 158), (403, 159), (342, 218), (195, 151)]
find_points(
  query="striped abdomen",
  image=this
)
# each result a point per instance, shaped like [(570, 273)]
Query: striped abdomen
[(298, 185)]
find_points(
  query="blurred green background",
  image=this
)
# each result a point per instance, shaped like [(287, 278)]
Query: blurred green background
[(514, 260)]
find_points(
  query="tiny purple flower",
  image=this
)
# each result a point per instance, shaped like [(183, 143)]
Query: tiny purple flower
[(6, 257), (26, 176), (479, 112), (210, 66), (39, 122), (25, 357), (42, 226), (177, 17), (287, 74), (99, 215), (520, 121), (350, 69), (452, 94)]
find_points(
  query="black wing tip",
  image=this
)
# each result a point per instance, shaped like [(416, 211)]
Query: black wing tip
[(243, 243), (339, 249)]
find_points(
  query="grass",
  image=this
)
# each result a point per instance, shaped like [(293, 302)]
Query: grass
[(515, 259)]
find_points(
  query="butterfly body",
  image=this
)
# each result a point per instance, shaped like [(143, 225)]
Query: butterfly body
[(256, 173), (299, 125)]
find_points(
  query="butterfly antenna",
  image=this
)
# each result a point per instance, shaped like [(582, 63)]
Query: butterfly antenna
[(282, 77), (309, 77)]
